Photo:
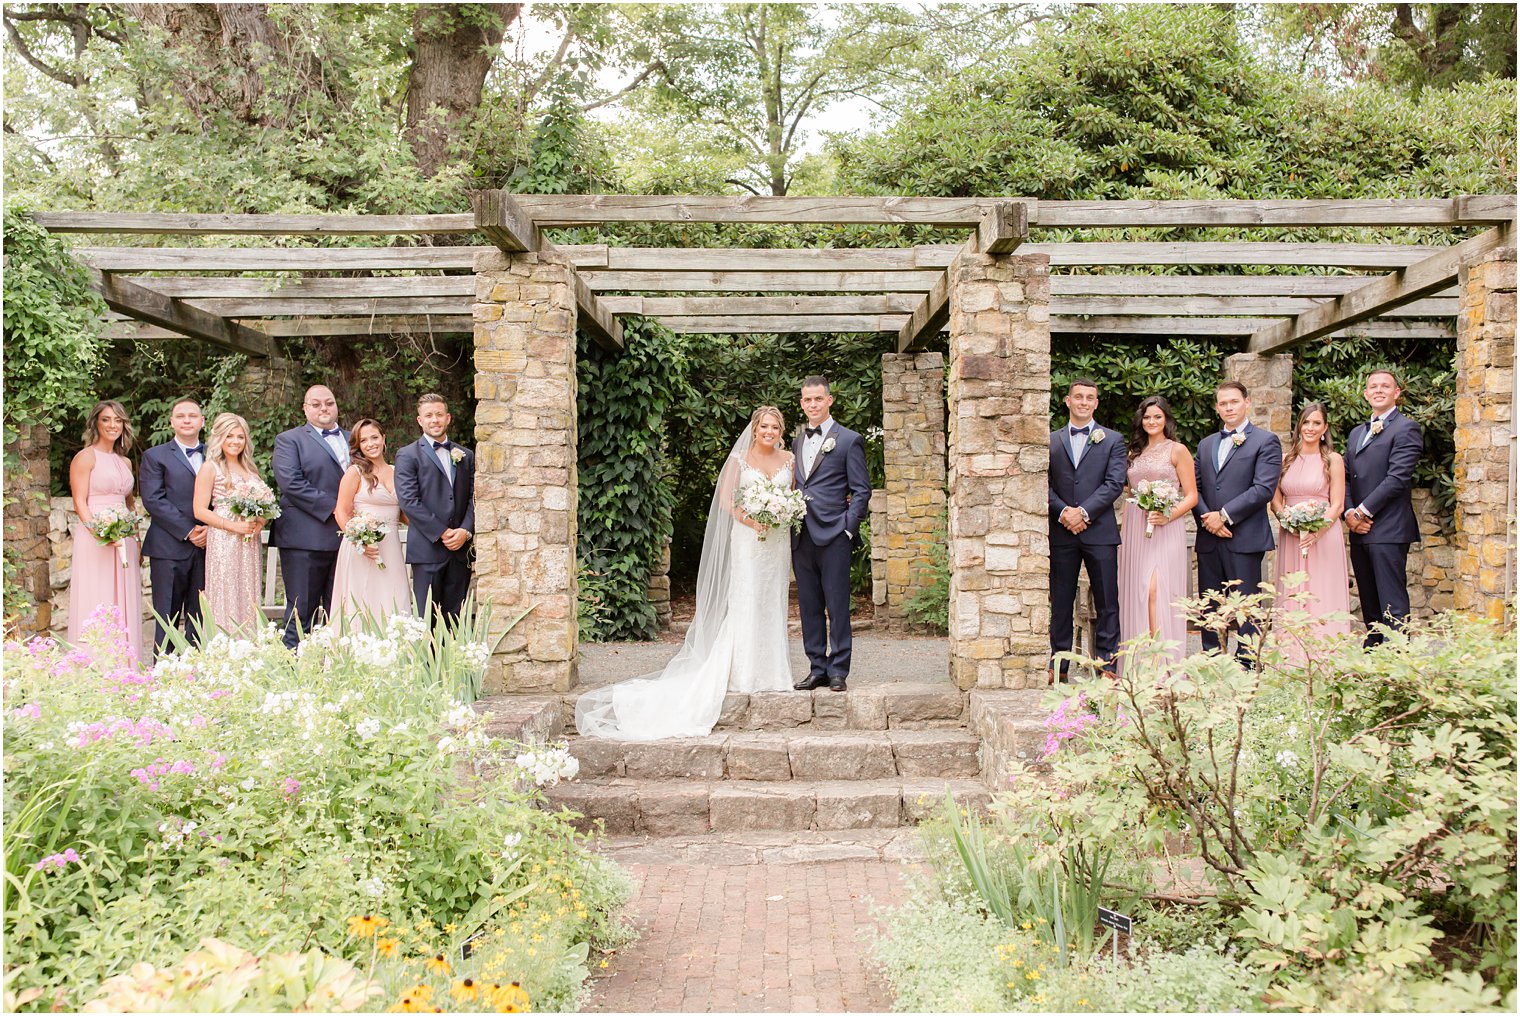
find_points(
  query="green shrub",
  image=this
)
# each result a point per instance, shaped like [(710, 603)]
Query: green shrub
[(1198, 979), (939, 957)]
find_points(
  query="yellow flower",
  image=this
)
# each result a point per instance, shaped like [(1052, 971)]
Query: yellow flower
[(1033, 975), (366, 926), (450, 928), (414, 999), (465, 990), (387, 947), (437, 964), (510, 998), (1081, 1001), (1026, 926), (604, 964)]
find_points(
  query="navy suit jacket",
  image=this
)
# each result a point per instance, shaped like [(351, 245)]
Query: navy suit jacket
[(1095, 485), (1242, 490), (1381, 476), (166, 481), (838, 488), (432, 502), (308, 474)]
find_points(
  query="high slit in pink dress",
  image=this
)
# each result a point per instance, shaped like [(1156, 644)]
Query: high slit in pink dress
[(1163, 556)]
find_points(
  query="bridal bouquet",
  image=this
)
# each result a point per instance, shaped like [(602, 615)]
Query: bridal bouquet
[(1302, 519), (250, 499), (112, 524), (1155, 496), (771, 504), (366, 531)]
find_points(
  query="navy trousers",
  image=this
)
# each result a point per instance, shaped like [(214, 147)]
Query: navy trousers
[(823, 588), (442, 586), (177, 586), (1218, 565), (308, 576), (1382, 585), (1066, 563)]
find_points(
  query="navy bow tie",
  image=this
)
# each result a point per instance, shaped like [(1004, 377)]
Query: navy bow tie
[(1081, 430), (199, 449), (440, 444), (335, 432), (1228, 433), (814, 431)]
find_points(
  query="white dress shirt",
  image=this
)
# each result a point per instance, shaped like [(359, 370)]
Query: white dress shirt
[(1079, 441), (443, 455), (336, 443), (813, 443), (195, 458)]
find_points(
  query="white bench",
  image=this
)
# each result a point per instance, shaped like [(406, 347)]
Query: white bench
[(273, 603)]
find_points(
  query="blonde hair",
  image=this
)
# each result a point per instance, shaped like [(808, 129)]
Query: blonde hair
[(123, 444), (762, 413), (222, 426)]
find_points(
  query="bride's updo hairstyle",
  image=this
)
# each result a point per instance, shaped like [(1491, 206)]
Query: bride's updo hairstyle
[(762, 413)]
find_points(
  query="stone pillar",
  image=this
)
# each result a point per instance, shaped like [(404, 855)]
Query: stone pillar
[(658, 589), (265, 384), (999, 453), (26, 526), (1485, 436), (913, 425), (1269, 379), (525, 466)]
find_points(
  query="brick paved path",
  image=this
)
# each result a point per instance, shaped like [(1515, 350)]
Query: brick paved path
[(751, 938)]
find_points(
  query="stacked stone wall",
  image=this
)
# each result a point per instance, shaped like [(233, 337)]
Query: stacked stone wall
[(1269, 379), (999, 399), (913, 425), (26, 525)]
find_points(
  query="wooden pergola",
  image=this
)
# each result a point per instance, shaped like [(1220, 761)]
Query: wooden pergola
[(242, 297), (971, 422)]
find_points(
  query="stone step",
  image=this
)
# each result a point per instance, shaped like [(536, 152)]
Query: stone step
[(1011, 728), (668, 808), (770, 756), (901, 844), (892, 705)]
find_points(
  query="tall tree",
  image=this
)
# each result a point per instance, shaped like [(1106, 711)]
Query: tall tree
[(453, 48)]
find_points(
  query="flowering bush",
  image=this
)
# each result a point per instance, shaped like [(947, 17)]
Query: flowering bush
[(242, 793)]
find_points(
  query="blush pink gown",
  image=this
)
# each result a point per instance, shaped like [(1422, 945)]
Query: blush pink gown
[(1328, 589), (1163, 556), (96, 577), (360, 586), (234, 577)]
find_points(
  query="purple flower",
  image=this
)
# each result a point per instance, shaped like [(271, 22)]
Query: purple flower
[(30, 711), (291, 786), (57, 862), (1067, 722)]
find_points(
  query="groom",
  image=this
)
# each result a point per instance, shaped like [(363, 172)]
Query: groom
[(831, 470)]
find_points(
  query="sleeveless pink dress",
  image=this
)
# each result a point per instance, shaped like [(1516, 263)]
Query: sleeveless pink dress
[(234, 577), (96, 577), (1163, 556), (1328, 589), (360, 586)]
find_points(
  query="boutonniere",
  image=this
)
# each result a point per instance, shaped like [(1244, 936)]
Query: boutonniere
[(1237, 439), (456, 454), (1098, 436), (1376, 427), (828, 446)]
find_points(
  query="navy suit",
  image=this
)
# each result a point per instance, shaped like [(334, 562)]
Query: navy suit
[(308, 473), (1379, 477), (1093, 484), (176, 567), (1242, 489), (839, 501), (434, 502)]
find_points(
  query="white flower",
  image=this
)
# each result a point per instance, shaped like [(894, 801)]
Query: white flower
[(547, 766), (828, 446), (367, 728), (510, 841), (1098, 435), (447, 745), (374, 887), (1376, 427), (459, 717), (1287, 759), (476, 654)]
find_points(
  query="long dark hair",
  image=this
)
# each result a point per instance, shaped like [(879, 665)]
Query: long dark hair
[(357, 458), (123, 444), (1326, 443), (1138, 438)]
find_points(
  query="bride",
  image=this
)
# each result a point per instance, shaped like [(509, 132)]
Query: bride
[(737, 639)]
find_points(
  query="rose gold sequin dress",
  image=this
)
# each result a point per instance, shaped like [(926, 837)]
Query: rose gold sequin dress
[(233, 577)]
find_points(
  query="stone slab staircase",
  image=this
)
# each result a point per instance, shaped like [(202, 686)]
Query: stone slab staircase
[(879, 757)]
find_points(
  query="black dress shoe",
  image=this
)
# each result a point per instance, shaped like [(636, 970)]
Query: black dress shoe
[(836, 683), (811, 681)]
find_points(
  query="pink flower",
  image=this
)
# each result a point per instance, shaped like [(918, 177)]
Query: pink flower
[(41, 644), (30, 711), (290, 786), (1067, 722), (57, 861)]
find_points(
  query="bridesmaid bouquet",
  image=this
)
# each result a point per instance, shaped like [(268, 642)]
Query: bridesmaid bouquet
[(1155, 496), (1302, 519), (251, 499), (366, 531), (772, 505), (112, 524)]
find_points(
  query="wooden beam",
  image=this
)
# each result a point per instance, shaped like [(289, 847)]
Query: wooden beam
[(731, 306), (1061, 324), (1209, 285), (175, 224), (1461, 211), (594, 318), (930, 316), (127, 297), (283, 306), (760, 282), (557, 211), (439, 325), (193, 287), (1206, 306), (1003, 227), (277, 259), (504, 222), (1427, 276)]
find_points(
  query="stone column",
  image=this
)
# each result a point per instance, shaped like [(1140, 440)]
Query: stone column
[(999, 454), (1485, 436), (913, 425), (26, 525), (265, 384), (525, 466), (658, 589), (1269, 379)]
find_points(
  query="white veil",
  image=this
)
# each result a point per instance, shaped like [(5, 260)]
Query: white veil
[(686, 698)]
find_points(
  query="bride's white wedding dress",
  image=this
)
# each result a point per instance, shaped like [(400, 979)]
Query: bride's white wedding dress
[(737, 639)]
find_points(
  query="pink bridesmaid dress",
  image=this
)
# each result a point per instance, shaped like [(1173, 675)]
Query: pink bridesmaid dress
[(1163, 557), (1328, 589), (96, 578), (233, 575), (360, 586)]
